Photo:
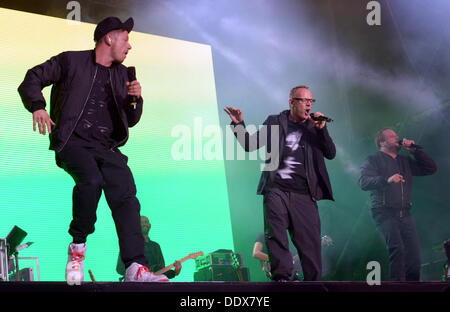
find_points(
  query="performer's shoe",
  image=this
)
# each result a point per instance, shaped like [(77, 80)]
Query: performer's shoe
[(75, 268), (139, 273)]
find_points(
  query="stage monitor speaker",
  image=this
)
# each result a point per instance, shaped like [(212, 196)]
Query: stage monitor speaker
[(222, 273), (25, 275)]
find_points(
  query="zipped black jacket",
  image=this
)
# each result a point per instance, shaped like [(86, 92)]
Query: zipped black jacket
[(72, 75), (377, 169), (318, 144)]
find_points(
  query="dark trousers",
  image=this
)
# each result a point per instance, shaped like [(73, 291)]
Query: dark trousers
[(298, 214), (403, 244), (94, 170)]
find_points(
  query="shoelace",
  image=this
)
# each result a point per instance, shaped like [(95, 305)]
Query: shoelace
[(77, 257), (139, 272)]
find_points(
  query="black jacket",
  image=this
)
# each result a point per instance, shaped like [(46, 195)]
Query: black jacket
[(318, 144), (72, 75), (380, 166)]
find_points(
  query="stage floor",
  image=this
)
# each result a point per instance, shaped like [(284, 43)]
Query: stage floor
[(225, 287), (228, 296)]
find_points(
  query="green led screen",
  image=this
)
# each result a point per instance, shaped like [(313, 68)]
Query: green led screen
[(185, 199)]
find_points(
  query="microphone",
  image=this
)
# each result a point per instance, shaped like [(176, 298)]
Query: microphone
[(418, 147), (320, 118), (132, 77)]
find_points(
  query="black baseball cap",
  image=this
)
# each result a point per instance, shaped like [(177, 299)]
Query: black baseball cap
[(111, 23)]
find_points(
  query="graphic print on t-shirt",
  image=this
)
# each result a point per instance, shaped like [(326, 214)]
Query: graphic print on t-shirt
[(292, 143)]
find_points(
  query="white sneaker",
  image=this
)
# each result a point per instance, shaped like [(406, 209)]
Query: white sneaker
[(74, 268), (140, 273)]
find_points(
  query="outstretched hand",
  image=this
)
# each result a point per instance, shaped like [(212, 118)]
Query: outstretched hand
[(234, 113), (43, 121)]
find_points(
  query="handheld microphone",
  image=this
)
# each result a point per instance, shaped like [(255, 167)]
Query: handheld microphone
[(418, 147), (320, 118), (132, 77)]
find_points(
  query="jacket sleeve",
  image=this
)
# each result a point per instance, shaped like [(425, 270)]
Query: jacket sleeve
[(326, 143), (37, 78), (371, 178), (251, 142), (134, 113), (422, 164)]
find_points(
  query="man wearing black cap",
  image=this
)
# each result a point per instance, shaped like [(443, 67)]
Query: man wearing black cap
[(92, 105)]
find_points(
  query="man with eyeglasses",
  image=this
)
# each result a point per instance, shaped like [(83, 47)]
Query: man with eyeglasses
[(292, 190)]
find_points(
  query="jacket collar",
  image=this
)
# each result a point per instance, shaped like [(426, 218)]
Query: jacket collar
[(113, 65), (284, 116)]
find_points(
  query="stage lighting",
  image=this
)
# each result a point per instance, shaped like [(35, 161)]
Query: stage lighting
[(14, 238), (9, 247)]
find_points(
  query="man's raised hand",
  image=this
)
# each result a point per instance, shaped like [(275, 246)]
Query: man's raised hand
[(234, 113)]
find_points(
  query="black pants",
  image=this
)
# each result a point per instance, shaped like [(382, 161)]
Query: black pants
[(298, 214), (94, 170), (399, 232)]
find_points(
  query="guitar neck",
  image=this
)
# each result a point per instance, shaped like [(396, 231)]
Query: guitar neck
[(167, 268)]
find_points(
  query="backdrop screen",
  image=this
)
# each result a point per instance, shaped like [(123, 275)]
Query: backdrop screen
[(185, 198)]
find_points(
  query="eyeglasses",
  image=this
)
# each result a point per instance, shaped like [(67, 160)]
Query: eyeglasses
[(303, 100)]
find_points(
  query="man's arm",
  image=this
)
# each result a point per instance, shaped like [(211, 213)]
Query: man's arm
[(36, 79), (134, 112), (258, 253), (422, 164), (30, 90), (371, 178), (249, 142), (326, 143)]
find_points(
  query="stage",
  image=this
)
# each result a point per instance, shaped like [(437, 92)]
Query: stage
[(226, 287), (227, 296)]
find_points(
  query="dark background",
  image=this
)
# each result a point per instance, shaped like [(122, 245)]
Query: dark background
[(366, 77)]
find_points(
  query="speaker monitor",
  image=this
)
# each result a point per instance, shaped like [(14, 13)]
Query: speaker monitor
[(222, 273)]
